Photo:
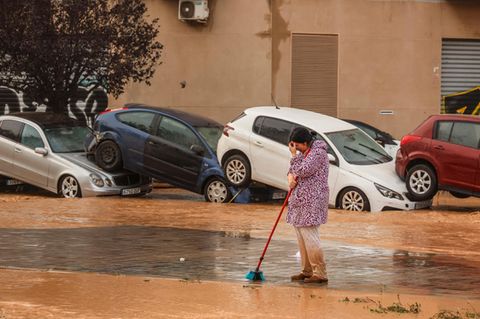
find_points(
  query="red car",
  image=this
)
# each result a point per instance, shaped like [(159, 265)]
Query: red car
[(441, 154)]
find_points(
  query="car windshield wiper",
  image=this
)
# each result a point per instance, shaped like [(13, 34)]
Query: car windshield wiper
[(361, 153), (375, 151)]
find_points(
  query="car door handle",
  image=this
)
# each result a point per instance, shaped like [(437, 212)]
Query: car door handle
[(439, 147), (152, 143), (258, 143), (17, 150)]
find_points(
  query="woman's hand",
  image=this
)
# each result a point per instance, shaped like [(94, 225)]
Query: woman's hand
[(292, 181), (292, 148)]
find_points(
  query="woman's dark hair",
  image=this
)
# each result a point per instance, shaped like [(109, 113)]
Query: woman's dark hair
[(301, 135)]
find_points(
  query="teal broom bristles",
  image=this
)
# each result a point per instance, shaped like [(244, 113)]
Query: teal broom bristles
[(255, 276)]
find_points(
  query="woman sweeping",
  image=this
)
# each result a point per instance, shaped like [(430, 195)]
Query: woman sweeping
[(308, 203)]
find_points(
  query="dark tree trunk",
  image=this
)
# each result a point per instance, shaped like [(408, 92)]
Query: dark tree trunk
[(58, 103)]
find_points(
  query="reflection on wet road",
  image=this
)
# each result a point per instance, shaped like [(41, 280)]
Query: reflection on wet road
[(214, 255)]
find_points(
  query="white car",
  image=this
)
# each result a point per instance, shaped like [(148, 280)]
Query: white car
[(362, 175)]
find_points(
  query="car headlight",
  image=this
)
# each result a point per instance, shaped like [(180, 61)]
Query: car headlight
[(387, 192), (96, 180)]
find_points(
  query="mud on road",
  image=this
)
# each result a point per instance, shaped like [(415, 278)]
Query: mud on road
[(433, 253)]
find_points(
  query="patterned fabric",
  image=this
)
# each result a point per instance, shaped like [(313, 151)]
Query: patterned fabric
[(308, 203)]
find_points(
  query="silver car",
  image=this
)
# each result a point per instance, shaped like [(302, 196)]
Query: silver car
[(46, 150)]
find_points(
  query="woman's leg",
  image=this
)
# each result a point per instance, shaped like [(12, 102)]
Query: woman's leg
[(306, 267), (314, 252)]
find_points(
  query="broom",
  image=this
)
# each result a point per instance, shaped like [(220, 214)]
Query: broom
[(257, 275)]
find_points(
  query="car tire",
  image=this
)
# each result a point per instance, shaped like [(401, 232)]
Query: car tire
[(353, 199), (69, 187), (421, 182), (108, 156), (216, 191), (459, 195), (237, 171)]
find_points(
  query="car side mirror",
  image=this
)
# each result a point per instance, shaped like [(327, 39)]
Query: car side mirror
[(380, 141), (332, 158), (41, 150), (197, 149)]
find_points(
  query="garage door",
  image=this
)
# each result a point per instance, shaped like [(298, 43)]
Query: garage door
[(461, 76), (315, 72)]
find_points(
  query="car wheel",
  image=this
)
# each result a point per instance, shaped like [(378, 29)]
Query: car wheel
[(216, 191), (459, 195), (353, 199), (108, 156), (421, 182), (69, 187), (237, 170)]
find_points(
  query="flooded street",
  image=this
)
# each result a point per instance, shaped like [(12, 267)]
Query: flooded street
[(55, 253), (222, 256)]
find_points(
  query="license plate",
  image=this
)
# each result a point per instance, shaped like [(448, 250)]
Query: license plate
[(424, 204), (11, 182), (131, 191), (278, 195)]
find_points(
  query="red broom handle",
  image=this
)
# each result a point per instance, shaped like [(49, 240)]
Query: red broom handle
[(273, 230)]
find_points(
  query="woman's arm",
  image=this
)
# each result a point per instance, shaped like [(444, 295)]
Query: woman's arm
[(292, 181), (301, 166)]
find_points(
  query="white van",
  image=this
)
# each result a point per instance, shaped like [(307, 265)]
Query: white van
[(361, 175)]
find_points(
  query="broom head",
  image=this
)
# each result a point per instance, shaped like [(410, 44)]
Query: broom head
[(255, 276)]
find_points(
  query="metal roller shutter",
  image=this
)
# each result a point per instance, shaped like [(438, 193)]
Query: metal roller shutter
[(460, 76), (315, 72)]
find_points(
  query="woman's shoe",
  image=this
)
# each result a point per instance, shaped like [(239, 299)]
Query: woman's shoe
[(315, 280), (299, 277)]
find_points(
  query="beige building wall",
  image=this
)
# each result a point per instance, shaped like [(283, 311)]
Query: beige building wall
[(389, 55), (225, 64)]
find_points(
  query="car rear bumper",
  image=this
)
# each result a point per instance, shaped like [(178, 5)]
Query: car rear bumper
[(401, 164)]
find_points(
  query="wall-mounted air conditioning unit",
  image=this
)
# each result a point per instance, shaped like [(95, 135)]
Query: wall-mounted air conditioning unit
[(193, 10)]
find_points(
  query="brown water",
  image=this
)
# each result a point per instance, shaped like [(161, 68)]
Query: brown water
[(430, 253), (209, 255), (410, 251), (449, 228), (29, 294)]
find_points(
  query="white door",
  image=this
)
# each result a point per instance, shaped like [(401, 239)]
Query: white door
[(270, 156), (333, 172)]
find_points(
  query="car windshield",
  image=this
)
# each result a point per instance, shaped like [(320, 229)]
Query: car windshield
[(211, 134), (357, 148), (67, 139)]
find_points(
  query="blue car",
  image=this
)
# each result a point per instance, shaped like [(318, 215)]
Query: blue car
[(169, 145)]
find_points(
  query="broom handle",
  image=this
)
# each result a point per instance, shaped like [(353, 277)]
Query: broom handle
[(273, 230)]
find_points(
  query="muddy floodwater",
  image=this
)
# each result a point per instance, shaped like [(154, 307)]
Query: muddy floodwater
[(220, 256), (173, 239)]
